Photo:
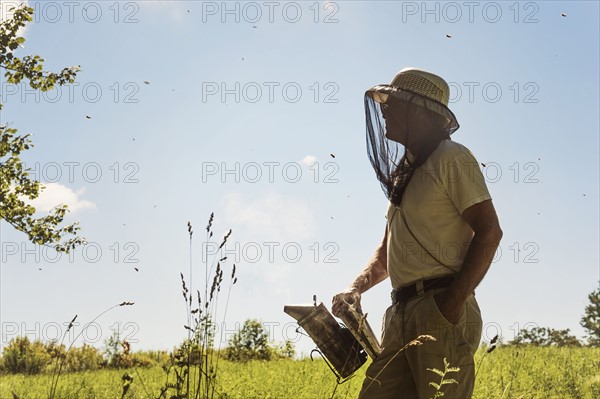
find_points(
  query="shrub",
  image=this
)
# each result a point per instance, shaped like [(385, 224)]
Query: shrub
[(158, 357), (143, 360), (24, 356), (117, 353), (285, 350), (252, 343), (83, 358)]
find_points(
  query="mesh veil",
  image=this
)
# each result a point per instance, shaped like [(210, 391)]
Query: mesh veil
[(392, 115)]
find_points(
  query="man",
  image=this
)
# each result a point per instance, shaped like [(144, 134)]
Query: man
[(440, 238)]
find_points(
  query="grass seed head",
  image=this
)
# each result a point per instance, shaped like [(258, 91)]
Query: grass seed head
[(225, 239), (71, 323), (210, 220)]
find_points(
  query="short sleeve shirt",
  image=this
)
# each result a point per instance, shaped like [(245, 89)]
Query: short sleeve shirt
[(427, 236)]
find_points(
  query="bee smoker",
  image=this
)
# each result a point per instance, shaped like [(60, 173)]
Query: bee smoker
[(340, 349)]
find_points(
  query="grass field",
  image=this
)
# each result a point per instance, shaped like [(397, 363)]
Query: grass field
[(508, 372)]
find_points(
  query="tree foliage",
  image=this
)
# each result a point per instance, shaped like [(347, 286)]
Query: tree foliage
[(590, 320), (15, 184), (117, 354), (542, 336), (252, 343), (24, 356)]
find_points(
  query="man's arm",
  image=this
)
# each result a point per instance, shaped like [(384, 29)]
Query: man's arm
[(483, 220), (374, 273)]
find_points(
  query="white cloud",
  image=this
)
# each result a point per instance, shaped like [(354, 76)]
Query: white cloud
[(308, 160), (273, 217), (56, 194)]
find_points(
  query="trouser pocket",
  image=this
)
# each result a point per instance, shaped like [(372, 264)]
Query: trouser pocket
[(451, 349)]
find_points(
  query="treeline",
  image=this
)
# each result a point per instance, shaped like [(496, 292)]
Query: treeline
[(250, 343), (543, 336), (33, 357)]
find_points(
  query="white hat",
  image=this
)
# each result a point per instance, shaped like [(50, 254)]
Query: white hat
[(433, 91)]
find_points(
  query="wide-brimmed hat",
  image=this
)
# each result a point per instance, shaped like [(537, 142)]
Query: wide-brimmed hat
[(420, 87)]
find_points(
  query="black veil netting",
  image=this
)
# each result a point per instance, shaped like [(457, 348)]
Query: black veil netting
[(391, 115)]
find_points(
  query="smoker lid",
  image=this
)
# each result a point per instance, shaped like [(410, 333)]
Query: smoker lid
[(298, 312)]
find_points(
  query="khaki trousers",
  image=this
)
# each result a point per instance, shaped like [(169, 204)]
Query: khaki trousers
[(404, 374)]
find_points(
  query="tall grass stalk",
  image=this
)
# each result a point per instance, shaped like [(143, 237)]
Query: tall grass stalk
[(195, 363), (56, 373), (55, 370)]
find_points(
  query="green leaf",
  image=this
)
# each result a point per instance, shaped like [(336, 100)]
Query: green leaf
[(438, 372), (15, 182), (449, 381)]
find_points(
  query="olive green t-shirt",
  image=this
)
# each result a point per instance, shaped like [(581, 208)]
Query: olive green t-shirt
[(433, 239)]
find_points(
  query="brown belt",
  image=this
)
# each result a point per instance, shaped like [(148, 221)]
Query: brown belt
[(403, 293)]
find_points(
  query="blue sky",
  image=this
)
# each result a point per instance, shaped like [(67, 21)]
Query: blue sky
[(272, 95)]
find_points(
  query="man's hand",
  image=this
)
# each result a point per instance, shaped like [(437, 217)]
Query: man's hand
[(449, 307), (374, 273), (487, 234), (349, 296)]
